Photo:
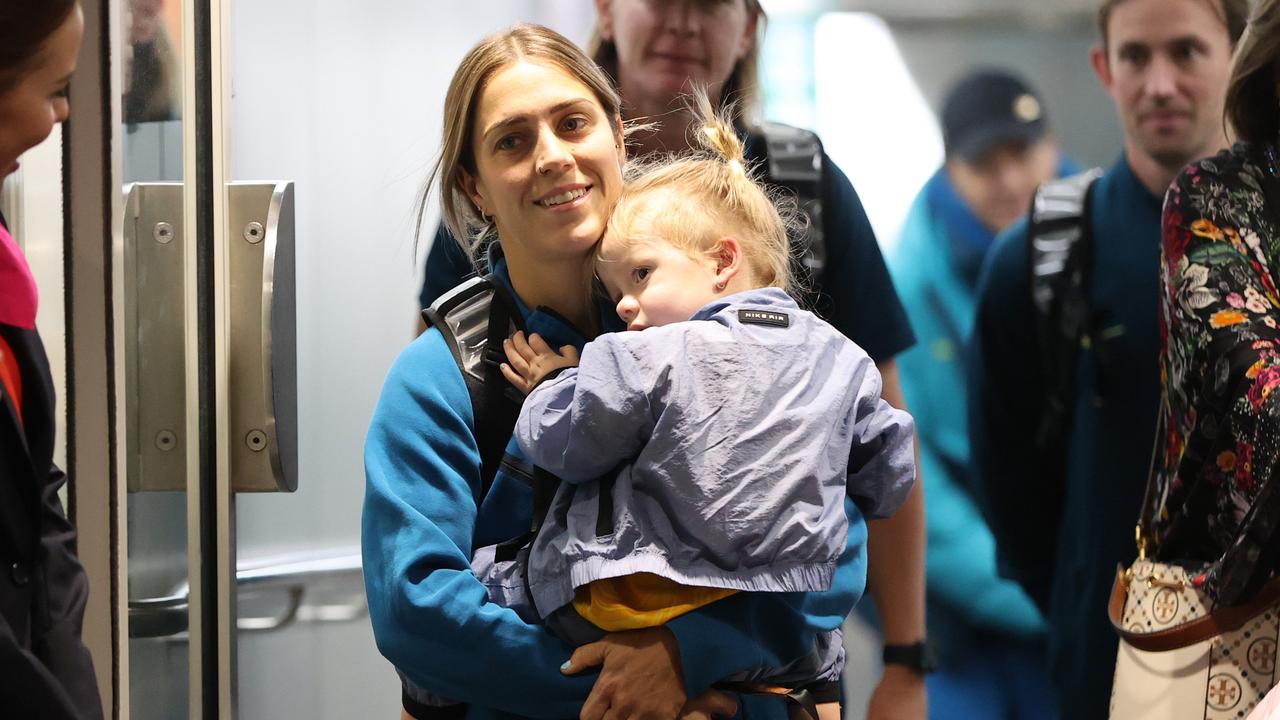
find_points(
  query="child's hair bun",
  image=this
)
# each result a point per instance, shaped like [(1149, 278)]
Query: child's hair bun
[(716, 133)]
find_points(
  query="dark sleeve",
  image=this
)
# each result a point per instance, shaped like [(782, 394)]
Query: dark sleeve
[(855, 293), (447, 267), (67, 593), (29, 688), (1004, 396)]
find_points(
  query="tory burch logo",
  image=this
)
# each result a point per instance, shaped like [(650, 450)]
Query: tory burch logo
[(1224, 694), (1165, 605), (1262, 655)]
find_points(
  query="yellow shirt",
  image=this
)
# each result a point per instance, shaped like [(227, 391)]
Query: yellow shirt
[(639, 601)]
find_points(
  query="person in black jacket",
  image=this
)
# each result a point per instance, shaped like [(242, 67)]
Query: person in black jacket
[(45, 669)]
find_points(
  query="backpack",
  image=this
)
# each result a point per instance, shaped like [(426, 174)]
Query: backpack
[(1061, 253), (793, 161), (475, 318)]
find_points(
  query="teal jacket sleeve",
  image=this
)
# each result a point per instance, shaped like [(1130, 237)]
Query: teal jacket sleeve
[(431, 616), (960, 561)]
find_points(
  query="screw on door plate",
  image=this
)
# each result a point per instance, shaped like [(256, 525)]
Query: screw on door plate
[(163, 233), (166, 440), (254, 232), (256, 440)]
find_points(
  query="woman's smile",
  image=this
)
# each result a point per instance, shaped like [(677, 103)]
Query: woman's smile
[(564, 198)]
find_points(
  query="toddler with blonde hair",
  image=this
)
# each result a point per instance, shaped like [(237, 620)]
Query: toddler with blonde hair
[(711, 450)]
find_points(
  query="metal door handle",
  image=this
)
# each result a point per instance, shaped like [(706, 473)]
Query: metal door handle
[(166, 617)]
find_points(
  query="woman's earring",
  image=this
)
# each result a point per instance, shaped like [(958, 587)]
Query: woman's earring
[(720, 286)]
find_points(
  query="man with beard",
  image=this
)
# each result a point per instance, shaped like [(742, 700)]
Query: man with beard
[(1062, 413)]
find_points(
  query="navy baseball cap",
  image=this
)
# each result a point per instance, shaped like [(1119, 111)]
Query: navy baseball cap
[(987, 108)]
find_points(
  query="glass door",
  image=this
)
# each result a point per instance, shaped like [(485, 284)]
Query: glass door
[(161, 440), (272, 153)]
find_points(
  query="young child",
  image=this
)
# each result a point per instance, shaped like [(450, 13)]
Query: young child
[(709, 452)]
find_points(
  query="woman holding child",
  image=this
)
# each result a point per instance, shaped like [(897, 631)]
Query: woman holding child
[(657, 51), (533, 150)]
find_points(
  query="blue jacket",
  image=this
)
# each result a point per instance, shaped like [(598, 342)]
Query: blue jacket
[(935, 268), (423, 518)]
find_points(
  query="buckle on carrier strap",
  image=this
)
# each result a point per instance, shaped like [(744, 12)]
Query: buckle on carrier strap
[(802, 702)]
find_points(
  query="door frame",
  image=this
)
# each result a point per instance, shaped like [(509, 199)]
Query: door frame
[(93, 208)]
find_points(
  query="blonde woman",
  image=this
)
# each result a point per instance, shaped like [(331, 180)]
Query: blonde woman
[(532, 155), (726, 461), (659, 50)]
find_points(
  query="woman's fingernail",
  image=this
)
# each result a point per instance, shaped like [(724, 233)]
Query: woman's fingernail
[(567, 666)]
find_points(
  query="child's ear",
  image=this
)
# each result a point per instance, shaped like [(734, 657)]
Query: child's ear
[(728, 256)]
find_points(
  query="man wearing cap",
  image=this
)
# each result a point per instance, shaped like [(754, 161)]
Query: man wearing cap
[(987, 633), (1062, 503)]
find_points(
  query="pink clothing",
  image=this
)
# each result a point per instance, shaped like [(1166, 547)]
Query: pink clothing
[(1269, 708), (18, 296)]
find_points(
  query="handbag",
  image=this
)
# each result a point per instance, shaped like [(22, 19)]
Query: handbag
[(1182, 656)]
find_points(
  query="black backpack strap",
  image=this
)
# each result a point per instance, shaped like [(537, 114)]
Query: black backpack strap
[(544, 486), (475, 318), (1061, 253), (793, 160)]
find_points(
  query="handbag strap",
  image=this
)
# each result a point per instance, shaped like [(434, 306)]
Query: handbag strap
[(1221, 620), (1142, 533)]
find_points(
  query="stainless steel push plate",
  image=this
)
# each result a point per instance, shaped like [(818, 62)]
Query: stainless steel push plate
[(261, 380), (155, 366)]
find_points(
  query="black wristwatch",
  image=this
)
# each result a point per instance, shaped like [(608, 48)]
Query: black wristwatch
[(917, 656)]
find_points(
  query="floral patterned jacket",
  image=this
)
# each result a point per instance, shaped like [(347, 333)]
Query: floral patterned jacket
[(1213, 504)]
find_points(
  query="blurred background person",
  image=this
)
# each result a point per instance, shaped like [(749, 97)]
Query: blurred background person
[(988, 635), (657, 51), (1062, 450), (45, 669), (151, 67)]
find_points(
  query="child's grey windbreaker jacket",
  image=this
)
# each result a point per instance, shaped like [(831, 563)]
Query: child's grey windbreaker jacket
[(727, 444)]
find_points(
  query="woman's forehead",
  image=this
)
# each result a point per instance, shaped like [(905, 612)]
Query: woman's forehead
[(529, 88)]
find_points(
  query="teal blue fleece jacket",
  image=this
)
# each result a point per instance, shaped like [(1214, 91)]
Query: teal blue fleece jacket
[(935, 268), (432, 618)]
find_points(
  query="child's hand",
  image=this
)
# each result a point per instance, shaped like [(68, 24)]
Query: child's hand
[(529, 361)]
